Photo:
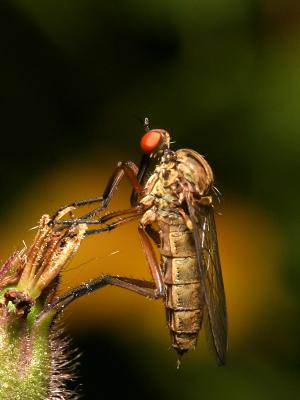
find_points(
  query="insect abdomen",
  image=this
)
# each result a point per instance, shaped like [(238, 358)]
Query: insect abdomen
[(184, 299)]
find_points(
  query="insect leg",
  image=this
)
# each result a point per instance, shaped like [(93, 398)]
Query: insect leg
[(105, 218), (126, 216), (127, 168), (148, 251), (142, 172), (106, 228), (152, 261), (113, 225), (154, 234), (144, 288)]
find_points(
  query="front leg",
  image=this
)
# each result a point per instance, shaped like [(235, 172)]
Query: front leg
[(127, 168)]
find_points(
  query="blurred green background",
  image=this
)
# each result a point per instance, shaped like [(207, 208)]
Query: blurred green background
[(223, 76)]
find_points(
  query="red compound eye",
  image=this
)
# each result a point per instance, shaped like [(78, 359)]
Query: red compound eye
[(150, 141)]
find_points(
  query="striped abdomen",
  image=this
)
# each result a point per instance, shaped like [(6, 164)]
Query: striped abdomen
[(184, 297)]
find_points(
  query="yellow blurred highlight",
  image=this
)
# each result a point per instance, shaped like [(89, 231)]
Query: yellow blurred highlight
[(249, 242)]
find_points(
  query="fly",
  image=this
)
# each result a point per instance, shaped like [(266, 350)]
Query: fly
[(172, 198)]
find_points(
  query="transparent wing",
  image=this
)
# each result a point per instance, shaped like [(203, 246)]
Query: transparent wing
[(215, 322)]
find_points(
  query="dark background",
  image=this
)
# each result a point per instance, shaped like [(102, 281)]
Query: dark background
[(223, 77)]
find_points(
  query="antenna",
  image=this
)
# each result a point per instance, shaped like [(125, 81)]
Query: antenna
[(146, 124)]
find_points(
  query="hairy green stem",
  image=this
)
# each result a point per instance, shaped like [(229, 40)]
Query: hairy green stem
[(34, 362)]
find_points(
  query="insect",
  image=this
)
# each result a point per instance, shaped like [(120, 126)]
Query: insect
[(172, 198)]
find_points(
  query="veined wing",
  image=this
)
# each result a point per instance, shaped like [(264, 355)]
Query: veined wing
[(205, 236)]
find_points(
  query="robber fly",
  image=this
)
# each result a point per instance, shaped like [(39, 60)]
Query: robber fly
[(172, 198)]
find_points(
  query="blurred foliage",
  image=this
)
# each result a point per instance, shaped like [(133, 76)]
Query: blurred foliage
[(223, 76)]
